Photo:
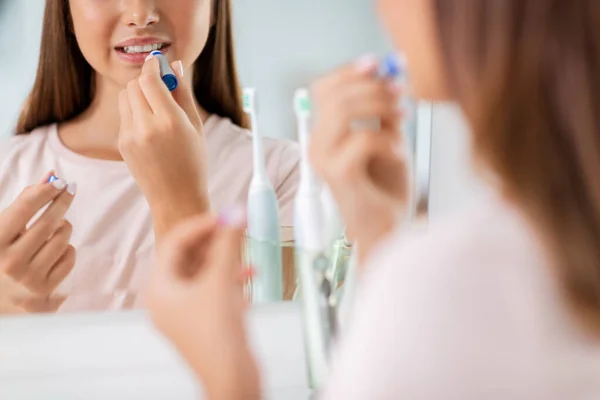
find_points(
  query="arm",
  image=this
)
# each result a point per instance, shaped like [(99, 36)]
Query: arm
[(168, 213), (202, 313)]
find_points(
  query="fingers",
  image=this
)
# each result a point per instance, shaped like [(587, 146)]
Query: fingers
[(351, 161), (30, 282), (41, 298), (8, 308), (363, 68), (11, 290), (137, 100), (148, 95), (369, 100), (61, 269), (15, 218), (157, 95), (47, 176), (45, 304), (51, 252), (364, 99), (184, 96), (32, 241)]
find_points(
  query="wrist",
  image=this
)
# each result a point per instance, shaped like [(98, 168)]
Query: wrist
[(167, 212)]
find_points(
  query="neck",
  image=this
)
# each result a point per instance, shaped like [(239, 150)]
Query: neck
[(95, 132)]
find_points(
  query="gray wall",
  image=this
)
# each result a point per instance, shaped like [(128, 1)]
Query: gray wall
[(284, 44), (20, 32), (454, 183)]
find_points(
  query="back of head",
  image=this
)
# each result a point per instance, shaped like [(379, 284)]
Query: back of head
[(527, 75), (64, 84)]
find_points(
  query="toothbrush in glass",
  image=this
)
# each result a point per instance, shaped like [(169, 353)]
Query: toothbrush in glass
[(264, 229)]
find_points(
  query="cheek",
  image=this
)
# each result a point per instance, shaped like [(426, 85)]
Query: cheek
[(410, 24), (191, 31), (92, 30)]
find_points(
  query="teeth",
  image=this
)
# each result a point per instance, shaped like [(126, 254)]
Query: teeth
[(143, 49)]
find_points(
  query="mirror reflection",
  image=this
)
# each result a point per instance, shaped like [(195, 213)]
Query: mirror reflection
[(123, 119)]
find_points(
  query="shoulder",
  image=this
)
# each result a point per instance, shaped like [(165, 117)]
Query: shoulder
[(227, 141), (222, 130), (430, 294), (486, 268), (21, 145), (488, 233)]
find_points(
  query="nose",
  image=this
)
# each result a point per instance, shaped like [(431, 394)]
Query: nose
[(139, 13)]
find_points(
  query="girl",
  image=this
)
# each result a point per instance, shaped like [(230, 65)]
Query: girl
[(142, 159), (500, 302)]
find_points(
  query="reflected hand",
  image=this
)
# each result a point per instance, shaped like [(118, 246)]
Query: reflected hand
[(367, 174), (161, 140), (35, 260), (195, 297)]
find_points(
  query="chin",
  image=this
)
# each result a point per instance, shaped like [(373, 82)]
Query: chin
[(123, 78)]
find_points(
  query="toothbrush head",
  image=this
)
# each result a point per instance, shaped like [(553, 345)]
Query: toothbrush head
[(248, 100), (392, 66), (52, 178), (302, 104)]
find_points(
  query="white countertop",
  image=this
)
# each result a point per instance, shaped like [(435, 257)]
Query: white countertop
[(121, 356)]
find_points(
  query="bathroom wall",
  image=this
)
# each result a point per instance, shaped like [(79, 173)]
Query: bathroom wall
[(454, 183), (20, 32), (283, 45)]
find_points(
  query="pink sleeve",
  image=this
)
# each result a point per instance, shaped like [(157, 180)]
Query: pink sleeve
[(288, 179)]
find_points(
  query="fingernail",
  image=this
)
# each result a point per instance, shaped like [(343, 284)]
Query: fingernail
[(52, 178), (59, 184), (150, 56), (180, 67), (234, 217), (72, 189), (367, 63)]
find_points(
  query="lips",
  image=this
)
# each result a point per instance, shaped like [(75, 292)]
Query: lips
[(136, 50)]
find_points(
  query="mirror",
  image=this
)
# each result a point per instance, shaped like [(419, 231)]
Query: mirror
[(277, 51)]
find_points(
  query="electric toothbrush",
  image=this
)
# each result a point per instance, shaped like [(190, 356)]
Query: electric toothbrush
[(316, 291), (264, 228), (308, 218)]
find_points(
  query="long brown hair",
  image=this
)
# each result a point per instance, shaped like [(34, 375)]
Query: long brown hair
[(527, 75), (64, 85)]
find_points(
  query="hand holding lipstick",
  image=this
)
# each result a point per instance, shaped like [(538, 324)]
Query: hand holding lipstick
[(161, 140)]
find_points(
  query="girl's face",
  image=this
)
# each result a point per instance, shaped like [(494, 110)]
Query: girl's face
[(116, 36), (411, 25)]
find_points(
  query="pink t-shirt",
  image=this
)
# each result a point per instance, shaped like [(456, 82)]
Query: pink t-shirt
[(112, 226), (465, 309)]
